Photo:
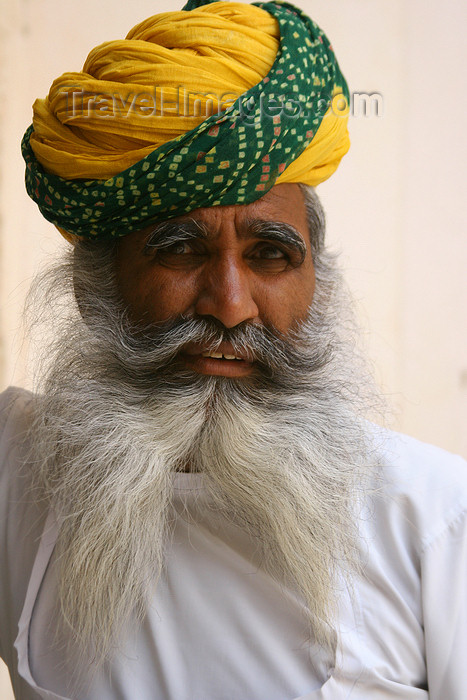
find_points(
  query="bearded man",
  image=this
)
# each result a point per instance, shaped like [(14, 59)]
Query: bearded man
[(194, 504)]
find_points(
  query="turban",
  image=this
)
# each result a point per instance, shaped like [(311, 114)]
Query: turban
[(211, 105)]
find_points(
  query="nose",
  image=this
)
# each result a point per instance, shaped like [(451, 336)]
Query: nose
[(227, 293)]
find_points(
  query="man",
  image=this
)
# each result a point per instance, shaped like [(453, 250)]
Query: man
[(193, 505)]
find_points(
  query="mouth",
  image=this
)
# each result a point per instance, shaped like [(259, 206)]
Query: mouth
[(220, 356), (222, 362)]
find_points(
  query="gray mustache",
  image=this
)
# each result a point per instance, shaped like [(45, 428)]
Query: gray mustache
[(166, 340), (157, 347)]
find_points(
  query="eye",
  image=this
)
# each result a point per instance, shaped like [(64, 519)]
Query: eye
[(267, 257), (271, 252), (179, 248), (180, 255)]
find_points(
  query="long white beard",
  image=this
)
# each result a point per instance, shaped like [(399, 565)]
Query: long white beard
[(284, 452)]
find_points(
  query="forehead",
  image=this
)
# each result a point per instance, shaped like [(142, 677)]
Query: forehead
[(283, 203)]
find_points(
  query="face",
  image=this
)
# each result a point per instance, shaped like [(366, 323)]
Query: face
[(231, 264)]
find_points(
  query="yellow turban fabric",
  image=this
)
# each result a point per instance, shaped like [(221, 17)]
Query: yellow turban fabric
[(142, 101)]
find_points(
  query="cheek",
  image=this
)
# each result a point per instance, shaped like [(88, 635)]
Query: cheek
[(305, 288), (287, 301), (154, 296)]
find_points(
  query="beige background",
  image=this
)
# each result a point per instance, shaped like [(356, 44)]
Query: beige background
[(396, 208)]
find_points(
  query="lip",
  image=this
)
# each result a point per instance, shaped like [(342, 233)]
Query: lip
[(193, 358)]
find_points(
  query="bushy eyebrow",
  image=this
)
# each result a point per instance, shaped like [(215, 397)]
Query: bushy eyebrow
[(172, 231), (169, 232), (279, 232)]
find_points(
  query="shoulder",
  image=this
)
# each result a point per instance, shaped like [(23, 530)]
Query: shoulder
[(414, 566), (425, 486), (22, 515), (16, 408), (15, 411)]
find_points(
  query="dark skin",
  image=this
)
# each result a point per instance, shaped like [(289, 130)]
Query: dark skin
[(235, 264)]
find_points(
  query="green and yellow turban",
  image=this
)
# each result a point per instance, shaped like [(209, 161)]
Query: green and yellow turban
[(212, 105)]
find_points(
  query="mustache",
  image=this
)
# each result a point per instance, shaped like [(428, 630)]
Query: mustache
[(156, 348)]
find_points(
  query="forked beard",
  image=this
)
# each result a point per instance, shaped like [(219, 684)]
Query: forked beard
[(284, 451)]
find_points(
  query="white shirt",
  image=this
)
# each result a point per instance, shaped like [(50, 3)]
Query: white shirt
[(219, 628)]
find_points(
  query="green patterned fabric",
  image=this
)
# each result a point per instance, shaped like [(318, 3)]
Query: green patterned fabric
[(229, 159)]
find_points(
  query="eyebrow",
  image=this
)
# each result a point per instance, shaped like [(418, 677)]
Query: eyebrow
[(169, 232), (279, 232), (172, 231)]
